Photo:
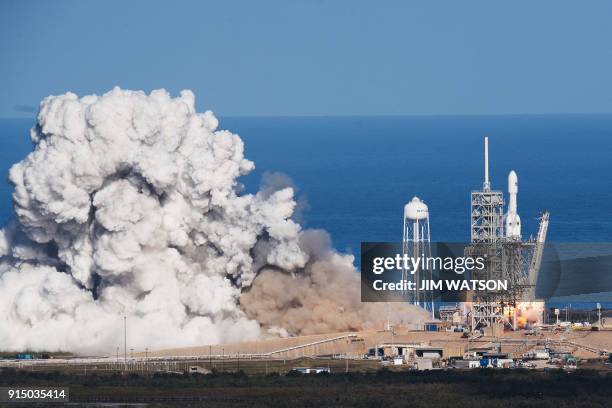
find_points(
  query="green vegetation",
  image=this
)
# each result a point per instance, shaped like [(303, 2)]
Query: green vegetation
[(384, 388)]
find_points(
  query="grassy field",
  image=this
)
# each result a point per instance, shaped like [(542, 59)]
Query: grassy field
[(382, 388), (248, 366)]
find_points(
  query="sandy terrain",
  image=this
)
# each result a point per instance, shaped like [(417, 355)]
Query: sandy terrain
[(584, 344)]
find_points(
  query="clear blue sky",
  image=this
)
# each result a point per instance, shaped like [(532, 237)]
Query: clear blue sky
[(316, 57)]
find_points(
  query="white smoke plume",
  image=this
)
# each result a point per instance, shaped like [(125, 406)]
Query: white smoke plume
[(129, 205)]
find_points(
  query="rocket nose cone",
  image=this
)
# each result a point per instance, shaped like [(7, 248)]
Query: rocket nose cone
[(512, 182)]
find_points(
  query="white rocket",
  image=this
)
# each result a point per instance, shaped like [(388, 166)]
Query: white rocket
[(512, 219)]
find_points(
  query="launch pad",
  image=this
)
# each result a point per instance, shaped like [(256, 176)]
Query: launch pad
[(496, 236)]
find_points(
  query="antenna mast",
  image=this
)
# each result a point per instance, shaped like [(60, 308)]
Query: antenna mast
[(486, 186)]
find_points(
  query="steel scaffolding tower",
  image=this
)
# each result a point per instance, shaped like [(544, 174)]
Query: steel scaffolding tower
[(487, 215), (507, 256), (487, 240)]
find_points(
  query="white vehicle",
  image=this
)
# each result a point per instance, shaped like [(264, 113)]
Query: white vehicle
[(308, 370), (541, 355)]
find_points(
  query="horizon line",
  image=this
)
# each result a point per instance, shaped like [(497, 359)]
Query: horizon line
[(381, 115)]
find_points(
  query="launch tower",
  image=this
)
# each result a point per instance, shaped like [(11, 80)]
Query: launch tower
[(487, 213), (497, 238)]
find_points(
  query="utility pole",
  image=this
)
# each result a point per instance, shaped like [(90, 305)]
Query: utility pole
[(125, 341), (147, 359), (468, 346), (599, 314), (388, 321)]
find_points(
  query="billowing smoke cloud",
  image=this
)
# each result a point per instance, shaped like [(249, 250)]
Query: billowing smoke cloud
[(322, 298), (129, 205)]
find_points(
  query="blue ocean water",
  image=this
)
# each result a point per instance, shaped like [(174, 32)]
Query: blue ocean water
[(356, 173)]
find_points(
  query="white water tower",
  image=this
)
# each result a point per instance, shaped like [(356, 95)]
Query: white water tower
[(416, 244)]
